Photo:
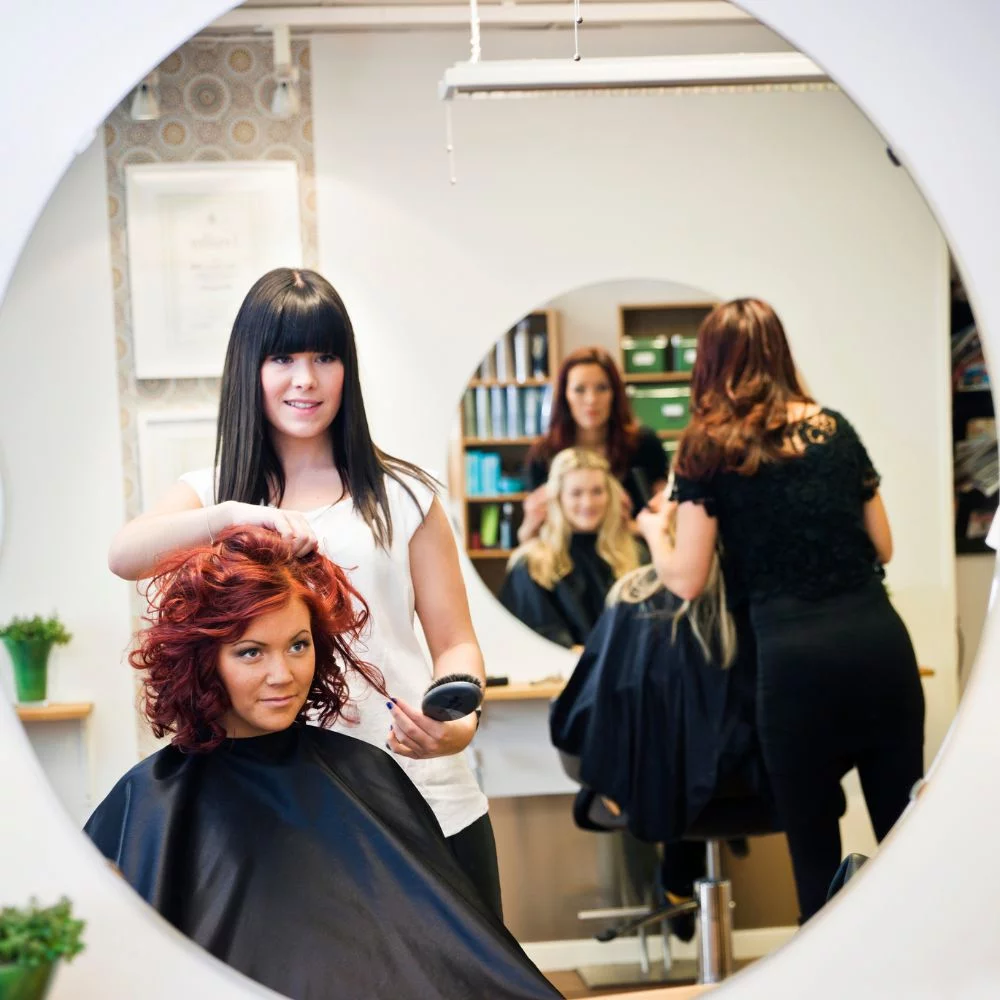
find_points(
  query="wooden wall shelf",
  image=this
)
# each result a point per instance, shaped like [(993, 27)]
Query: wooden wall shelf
[(525, 692), (55, 711)]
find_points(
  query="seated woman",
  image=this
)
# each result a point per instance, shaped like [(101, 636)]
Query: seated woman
[(659, 717), (556, 583), (302, 857), (660, 707)]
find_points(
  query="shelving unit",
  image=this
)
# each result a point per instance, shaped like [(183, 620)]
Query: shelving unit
[(659, 320), (491, 562)]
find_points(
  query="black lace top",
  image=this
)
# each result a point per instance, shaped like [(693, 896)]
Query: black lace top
[(796, 527)]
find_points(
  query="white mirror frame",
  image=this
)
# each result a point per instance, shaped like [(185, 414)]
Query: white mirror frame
[(920, 921)]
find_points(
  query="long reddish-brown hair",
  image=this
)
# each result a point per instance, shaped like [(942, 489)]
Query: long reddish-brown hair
[(743, 380), (622, 426), (206, 596)]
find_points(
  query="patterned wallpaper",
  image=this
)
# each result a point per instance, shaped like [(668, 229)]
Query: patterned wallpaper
[(215, 100)]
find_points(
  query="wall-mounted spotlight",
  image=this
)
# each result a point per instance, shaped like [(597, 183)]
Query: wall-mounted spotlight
[(286, 101), (146, 99)]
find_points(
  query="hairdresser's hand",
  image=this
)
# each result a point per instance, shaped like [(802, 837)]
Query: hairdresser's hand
[(289, 524), (417, 736), (535, 509), (659, 501), (652, 524)]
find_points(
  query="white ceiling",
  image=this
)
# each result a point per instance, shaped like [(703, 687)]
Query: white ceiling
[(254, 16)]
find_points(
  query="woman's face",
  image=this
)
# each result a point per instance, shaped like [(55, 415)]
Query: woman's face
[(584, 499), (588, 394), (268, 671), (302, 392)]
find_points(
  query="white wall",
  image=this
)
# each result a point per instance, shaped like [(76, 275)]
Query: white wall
[(789, 196), (973, 578), (60, 449)]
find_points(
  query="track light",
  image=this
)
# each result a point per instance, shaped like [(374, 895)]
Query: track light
[(285, 102), (146, 100)]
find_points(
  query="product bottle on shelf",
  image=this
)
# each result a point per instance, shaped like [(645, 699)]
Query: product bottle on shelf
[(507, 527)]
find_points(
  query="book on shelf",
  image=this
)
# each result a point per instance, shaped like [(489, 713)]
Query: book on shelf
[(522, 350), (498, 415), (469, 413), (505, 357), (482, 411)]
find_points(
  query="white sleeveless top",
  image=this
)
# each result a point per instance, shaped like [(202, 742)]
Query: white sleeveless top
[(383, 578)]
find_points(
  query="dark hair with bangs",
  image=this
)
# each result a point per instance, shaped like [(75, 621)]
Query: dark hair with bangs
[(289, 311)]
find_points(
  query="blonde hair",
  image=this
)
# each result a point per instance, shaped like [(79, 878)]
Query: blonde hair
[(547, 555), (711, 623)]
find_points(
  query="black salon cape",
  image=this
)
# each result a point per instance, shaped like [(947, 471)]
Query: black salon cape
[(309, 861), (656, 728), (568, 612)]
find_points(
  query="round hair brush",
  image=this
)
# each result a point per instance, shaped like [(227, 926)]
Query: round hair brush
[(452, 697)]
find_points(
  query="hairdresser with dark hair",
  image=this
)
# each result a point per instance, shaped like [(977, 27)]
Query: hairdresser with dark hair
[(303, 858), (789, 489), (294, 454), (590, 410)]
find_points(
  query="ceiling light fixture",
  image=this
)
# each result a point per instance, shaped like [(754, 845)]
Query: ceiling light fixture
[(285, 102), (510, 77), (145, 105)]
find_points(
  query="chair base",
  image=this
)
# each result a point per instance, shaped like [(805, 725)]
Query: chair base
[(680, 972)]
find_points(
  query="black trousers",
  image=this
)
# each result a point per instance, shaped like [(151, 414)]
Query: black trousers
[(837, 688), (475, 849)]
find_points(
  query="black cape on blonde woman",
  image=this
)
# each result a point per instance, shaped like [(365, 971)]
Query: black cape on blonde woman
[(307, 860), (656, 727)]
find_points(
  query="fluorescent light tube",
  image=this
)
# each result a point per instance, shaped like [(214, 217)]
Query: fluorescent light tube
[(628, 73)]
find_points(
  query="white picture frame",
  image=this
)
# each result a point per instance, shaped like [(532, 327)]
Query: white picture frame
[(172, 442), (199, 235)]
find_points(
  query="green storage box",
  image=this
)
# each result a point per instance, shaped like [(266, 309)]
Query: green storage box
[(661, 407), (683, 351), (644, 354)]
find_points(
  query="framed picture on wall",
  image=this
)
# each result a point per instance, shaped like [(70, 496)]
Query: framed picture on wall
[(172, 442), (199, 235)]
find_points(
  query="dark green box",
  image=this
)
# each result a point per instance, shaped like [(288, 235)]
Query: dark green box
[(682, 352), (644, 354), (661, 407)]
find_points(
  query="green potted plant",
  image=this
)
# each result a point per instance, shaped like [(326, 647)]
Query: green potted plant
[(32, 941), (29, 642)]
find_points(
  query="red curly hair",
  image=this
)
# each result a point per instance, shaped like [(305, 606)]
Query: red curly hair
[(743, 380), (623, 429), (204, 597)]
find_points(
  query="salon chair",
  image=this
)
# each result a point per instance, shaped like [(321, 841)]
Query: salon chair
[(733, 814), (727, 817)]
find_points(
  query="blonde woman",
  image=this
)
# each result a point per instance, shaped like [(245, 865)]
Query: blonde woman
[(558, 581)]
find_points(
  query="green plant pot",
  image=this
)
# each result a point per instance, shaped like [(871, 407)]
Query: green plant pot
[(20, 983), (30, 658)]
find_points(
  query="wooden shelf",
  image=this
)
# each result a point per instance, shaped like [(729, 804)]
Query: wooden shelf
[(495, 498), (525, 692), (489, 553), (497, 442), (637, 378), (55, 712), (503, 383), (669, 435)]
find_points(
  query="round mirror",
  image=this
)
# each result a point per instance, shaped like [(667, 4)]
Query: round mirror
[(868, 245)]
